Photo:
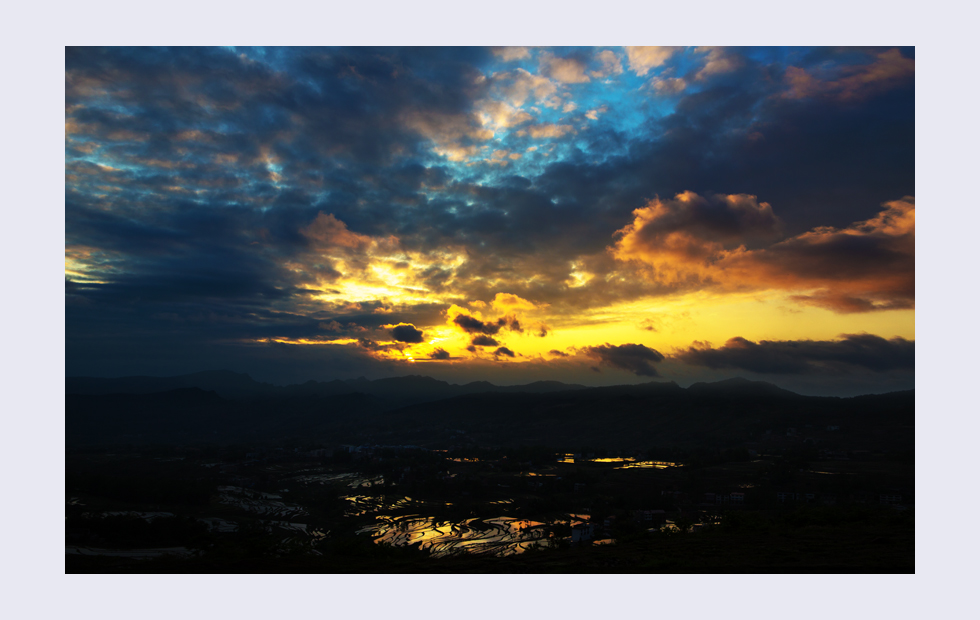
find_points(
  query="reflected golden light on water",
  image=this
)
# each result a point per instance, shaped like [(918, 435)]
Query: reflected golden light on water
[(648, 465), (499, 536)]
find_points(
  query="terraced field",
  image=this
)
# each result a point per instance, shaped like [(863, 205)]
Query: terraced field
[(499, 536), (262, 504)]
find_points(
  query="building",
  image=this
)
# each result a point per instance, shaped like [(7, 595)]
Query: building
[(582, 532)]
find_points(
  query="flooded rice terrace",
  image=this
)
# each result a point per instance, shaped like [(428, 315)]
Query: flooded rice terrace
[(499, 536), (352, 479), (299, 507), (262, 504), (403, 521), (623, 462)]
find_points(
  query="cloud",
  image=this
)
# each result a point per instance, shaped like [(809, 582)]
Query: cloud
[(503, 351), (650, 324), (636, 358), (332, 196), (484, 341), (500, 114), (642, 59), (557, 353), (455, 136), (610, 64), (695, 242), (508, 54), (519, 85), (593, 115), (888, 70), (668, 86), (473, 325), (549, 130), (683, 237), (506, 302), (406, 332), (440, 354), (329, 231), (512, 323), (864, 351), (568, 70), (717, 61)]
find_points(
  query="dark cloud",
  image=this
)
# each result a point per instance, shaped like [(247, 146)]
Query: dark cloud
[(407, 333), (503, 351), (476, 326), (440, 354), (714, 218), (557, 353), (484, 341), (211, 193), (636, 358), (864, 351), (368, 344), (511, 323)]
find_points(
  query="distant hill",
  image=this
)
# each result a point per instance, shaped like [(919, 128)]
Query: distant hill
[(426, 411), (397, 391), (726, 413), (223, 382)]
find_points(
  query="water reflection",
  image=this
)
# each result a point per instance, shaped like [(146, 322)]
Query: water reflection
[(352, 480), (499, 536), (647, 465), (265, 504), (366, 504), (624, 462)]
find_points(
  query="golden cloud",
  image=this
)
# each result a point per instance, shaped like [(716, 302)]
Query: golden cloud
[(506, 302), (694, 241), (644, 58)]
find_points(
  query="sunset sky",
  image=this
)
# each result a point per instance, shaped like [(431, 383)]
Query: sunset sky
[(600, 215)]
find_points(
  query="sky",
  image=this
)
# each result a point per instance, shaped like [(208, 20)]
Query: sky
[(599, 215)]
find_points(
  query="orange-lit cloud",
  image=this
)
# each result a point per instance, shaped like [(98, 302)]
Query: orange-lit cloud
[(642, 59), (518, 85), (507, 302), (549, 130), (331, 232), (508, 54), (717, 61), (593, 115), (889, 69), (610, 64), (697, 242), (565, 70)]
